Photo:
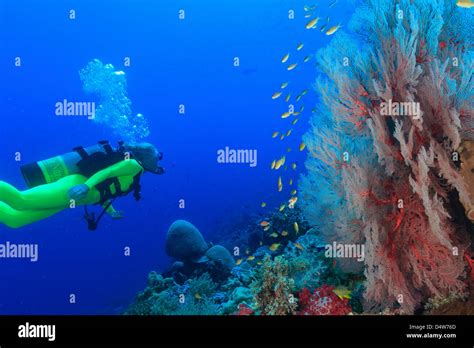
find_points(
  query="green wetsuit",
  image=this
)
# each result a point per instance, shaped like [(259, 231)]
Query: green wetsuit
[(20, 208)]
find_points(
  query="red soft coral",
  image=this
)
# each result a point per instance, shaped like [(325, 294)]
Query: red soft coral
[(322, 302), (244, 310)]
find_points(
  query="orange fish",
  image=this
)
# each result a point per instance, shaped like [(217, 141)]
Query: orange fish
[(299, 246), (264, 223)]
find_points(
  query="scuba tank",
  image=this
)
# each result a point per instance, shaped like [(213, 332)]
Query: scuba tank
[(85, 161)]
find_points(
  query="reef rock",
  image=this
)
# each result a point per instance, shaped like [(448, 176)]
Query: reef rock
[(184, 241), (220, 254)]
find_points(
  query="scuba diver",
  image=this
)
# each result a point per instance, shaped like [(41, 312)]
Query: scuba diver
[(94, 175)]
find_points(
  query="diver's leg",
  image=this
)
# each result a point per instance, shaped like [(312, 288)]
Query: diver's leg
[(16, 218), (54, 195)]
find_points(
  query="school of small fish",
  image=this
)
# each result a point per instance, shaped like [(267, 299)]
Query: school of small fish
[(312, 22)]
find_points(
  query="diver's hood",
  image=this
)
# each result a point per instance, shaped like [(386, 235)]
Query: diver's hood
[(153, 168)]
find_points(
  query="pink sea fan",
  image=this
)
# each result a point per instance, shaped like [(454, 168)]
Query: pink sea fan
[(397, 191)]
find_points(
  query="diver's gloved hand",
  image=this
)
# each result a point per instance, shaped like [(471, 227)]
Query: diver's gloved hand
[(78, 192)]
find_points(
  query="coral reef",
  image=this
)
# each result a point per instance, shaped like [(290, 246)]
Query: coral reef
[(240, 297), (306, 266), (201, 286), (323, 301), (272, 288), (382, 148)]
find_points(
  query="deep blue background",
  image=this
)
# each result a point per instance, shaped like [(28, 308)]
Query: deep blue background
[(173, 62)]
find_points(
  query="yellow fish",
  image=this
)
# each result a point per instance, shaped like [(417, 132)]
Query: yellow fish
[(259, 263), (283, 85), (282, 207), (306, 59), (197, 296), (299, 246), (296, 113), (293, 166), (275, 134), (292, 66), (293, 192), (282, 137), (291, 182), (274, 235), (285, 58), (274, 246), (288, 133), (288, 149), (343, 292), (296, 227), (263, 205), (298, 97), (292, 202), (238, 262), (283, 160), (304, 92), (287, 99), (300, 46), (251, 258), (302, 146), (322, 28), (276, 95), (301, 108), (312, 23), (273, 164), (278, 164), (294, 121), (285, 114), (465, 3), (306, 8), (280, 185), (284, 233), (266, 228), (333, 29), (307, 15)]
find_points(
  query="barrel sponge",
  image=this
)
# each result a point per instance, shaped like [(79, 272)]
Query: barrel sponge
[(184, 241), (220, 254)]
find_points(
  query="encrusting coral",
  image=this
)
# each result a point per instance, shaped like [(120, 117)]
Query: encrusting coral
[(273, 288)]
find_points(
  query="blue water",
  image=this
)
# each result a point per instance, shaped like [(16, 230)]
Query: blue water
[(173, 62)]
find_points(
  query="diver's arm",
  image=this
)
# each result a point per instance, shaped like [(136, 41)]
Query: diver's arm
[(123, 168)]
